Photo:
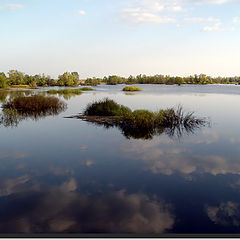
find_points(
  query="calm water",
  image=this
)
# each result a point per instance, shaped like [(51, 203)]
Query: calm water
[(60, 175)]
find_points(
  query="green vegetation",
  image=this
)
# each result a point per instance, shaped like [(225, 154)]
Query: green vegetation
[(18, 108), (20, 86), (142, 123), (87, 89), (65, 91), (71, 79), (106, 107), (92, 81), (131, 89), (3, 80), (68, 79), (35, 105), (170, 80)]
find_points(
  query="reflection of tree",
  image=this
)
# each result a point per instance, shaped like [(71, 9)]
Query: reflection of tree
[(57, 211)]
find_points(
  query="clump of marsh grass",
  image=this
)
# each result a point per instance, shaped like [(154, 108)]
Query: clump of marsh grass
[(142, 123), (106, 107), (131, 89), (65, 91), (87, 89), (139, 119), (35, 106)]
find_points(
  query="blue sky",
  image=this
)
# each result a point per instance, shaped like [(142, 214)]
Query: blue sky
[(104, 37)]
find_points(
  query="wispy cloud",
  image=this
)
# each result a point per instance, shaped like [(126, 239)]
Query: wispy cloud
[(236, 20), (82, 12), (150, 11), (214, 27), (139, 16), (14, 6), (201, 20)]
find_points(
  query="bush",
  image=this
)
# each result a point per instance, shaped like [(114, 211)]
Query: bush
[(131, 89), (106, 107)]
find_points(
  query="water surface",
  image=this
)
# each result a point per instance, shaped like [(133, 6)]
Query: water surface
[(60, 175)]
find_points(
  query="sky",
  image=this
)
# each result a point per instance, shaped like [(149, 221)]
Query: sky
[(122, 37)]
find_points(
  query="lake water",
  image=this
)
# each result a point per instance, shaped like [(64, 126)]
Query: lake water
[(60, 175)]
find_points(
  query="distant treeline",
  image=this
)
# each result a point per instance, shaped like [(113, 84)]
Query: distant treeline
[(161, 79), (16, 78)]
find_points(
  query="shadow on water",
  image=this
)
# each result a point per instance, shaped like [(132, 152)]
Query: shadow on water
[(35, 107)]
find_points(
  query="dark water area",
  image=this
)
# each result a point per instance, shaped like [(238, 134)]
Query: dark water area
[(60, 175)]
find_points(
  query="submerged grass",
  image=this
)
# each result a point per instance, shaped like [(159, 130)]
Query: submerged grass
[(142, 123), (131, 89)]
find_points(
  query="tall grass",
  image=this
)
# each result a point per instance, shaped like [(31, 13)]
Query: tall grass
[(87, 89), (106, 107), (65, 91), (35, 106)]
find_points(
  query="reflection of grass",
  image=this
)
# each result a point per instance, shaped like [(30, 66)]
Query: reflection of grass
[(35, 107), (131, 89), (142, 123)]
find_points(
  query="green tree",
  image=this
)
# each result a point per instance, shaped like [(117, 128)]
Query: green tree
[(3, 80), (15, 77)]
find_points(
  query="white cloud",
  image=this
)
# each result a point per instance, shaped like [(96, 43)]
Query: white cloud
[(150, 11), (137, 15), (201, 20), (14, 6), (82, 12), (214, 27)]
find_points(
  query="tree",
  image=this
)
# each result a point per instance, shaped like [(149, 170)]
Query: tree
[(15, 77), (3, 80), (68, 79)]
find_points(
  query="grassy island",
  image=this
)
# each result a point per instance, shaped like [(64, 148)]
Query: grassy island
[(141, 123), (65, 91), (87, 89), (131, 89), (34, 107)]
